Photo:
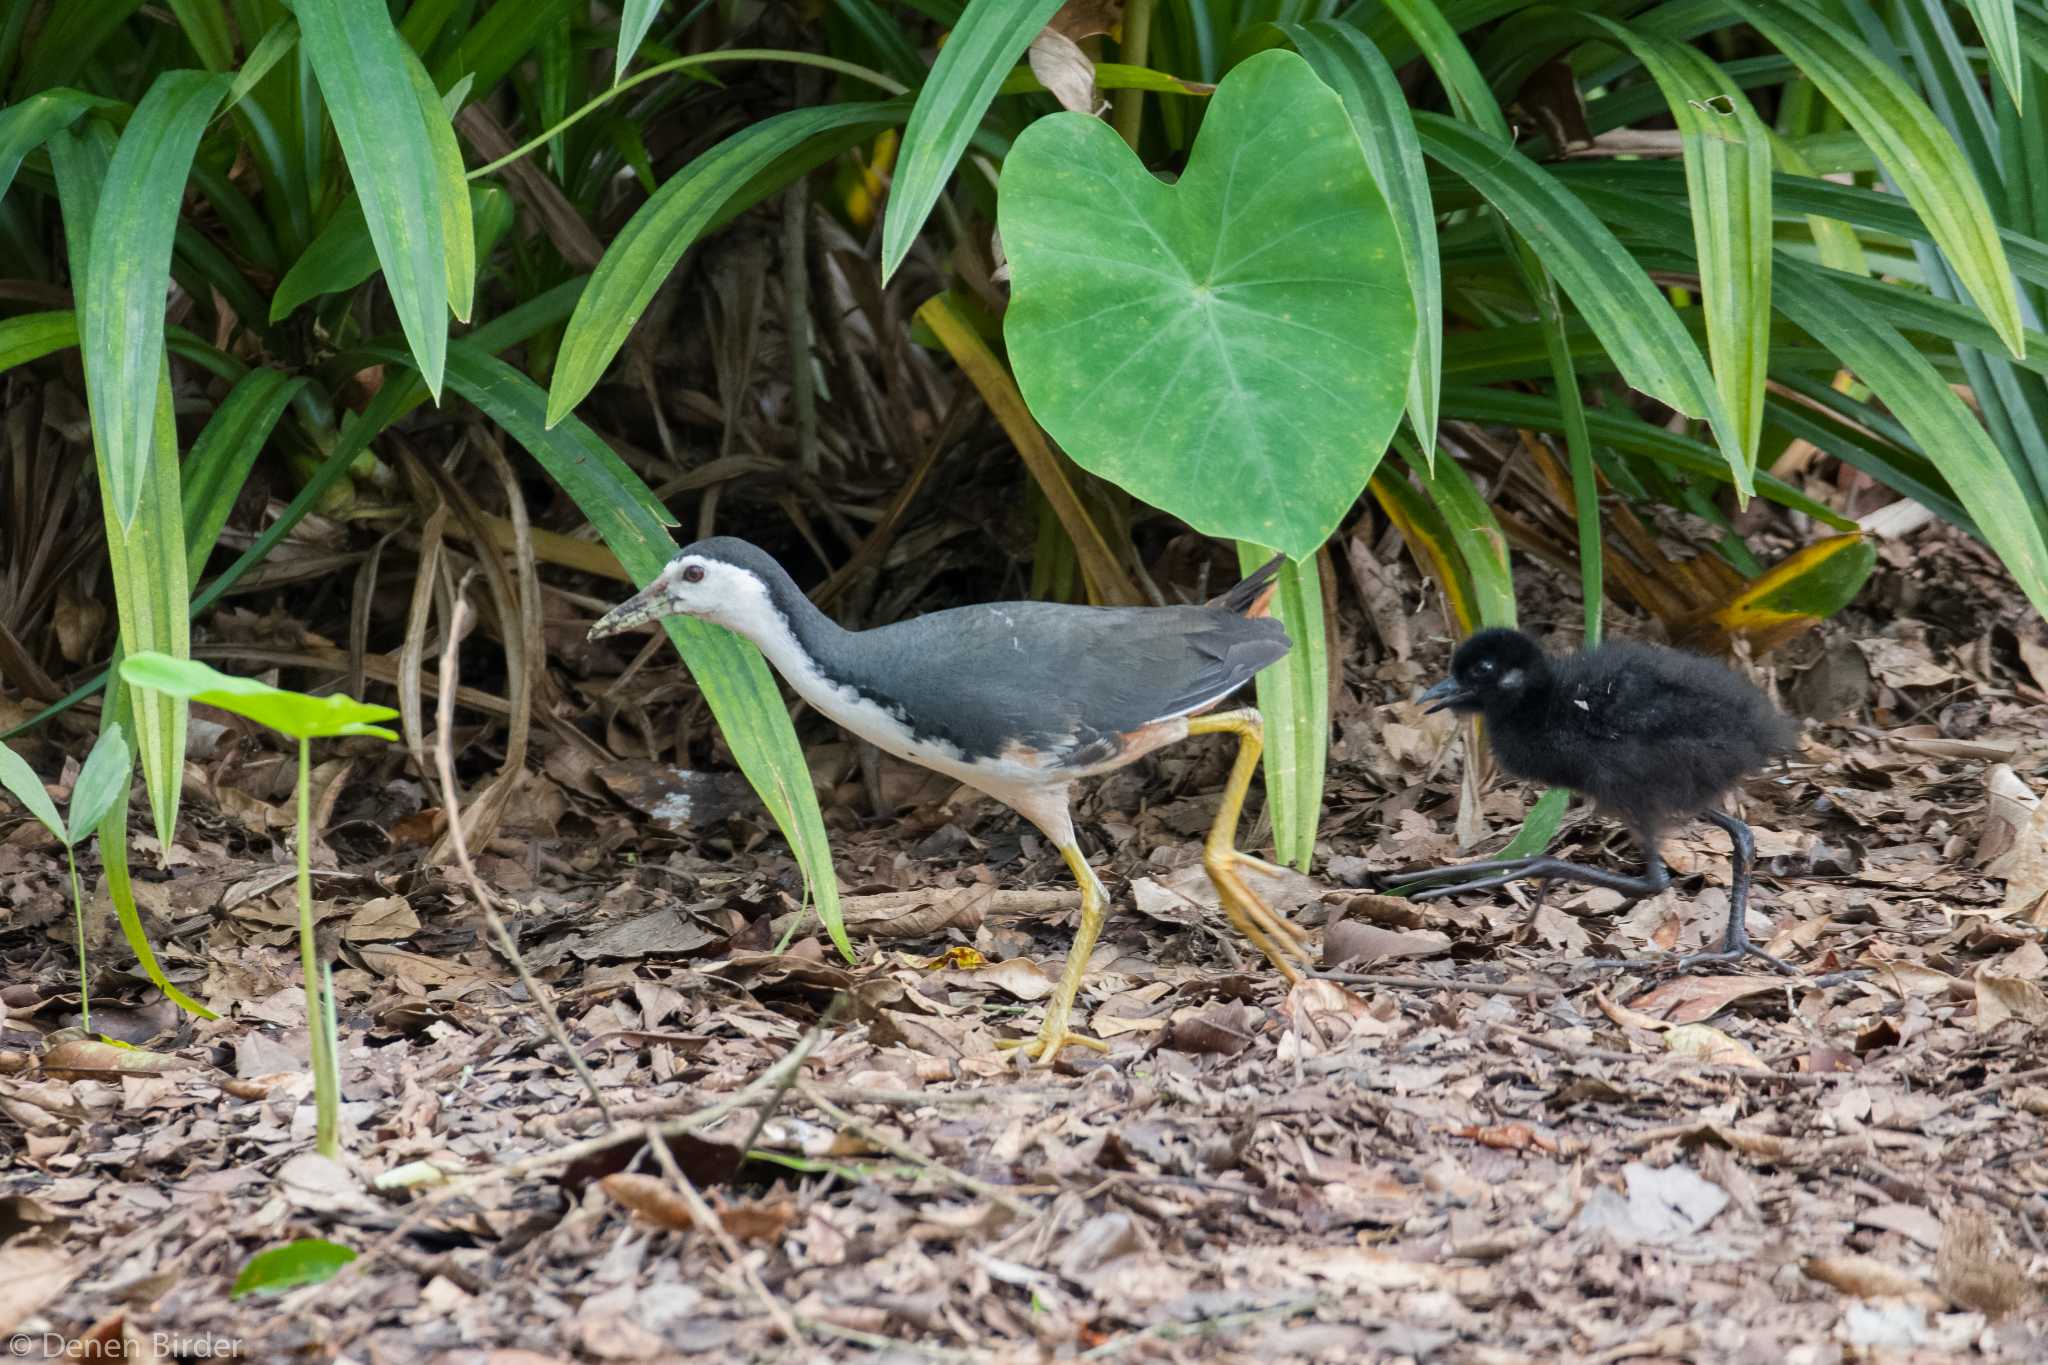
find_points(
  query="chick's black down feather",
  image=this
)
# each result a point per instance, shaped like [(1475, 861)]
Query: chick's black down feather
[(1649, 733)]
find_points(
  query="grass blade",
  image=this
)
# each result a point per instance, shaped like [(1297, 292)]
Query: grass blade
[(220, 459), (634, 20), (128, 269), (1916, 151), (362, 66), (979, 52), (1632, 319), (1354, 68), (1294, 698), (734, 678), (654, 239)]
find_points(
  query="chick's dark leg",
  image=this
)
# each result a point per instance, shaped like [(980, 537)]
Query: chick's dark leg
[(1257, 921), (1501, 871), (1735, 942)]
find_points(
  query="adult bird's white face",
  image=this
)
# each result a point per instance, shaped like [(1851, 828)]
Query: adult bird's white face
[(692, 585)]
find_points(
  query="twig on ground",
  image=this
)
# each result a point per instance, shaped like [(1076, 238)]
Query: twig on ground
[(707, 1219), (1430, 983), (774, 1080), (444, 765), (903, 1151), (1180, 1331)]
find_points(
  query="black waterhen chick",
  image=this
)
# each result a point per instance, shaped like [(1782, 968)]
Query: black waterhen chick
[(1652, 735)]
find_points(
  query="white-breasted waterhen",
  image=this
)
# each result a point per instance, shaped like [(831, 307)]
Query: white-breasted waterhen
[(1653, 736), (1018, 700)]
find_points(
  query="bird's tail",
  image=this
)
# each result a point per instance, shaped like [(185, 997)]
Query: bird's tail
[(1252, 595)]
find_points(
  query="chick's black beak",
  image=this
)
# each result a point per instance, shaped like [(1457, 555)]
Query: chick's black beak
[(1446, 694), (645, 605)]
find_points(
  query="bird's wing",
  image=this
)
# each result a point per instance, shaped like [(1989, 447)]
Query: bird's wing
[(1060, 679)]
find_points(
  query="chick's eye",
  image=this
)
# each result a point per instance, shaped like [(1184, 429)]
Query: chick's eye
[(693, 573)]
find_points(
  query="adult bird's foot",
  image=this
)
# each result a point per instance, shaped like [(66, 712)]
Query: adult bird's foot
[(1268, 930), (1045, 1048)]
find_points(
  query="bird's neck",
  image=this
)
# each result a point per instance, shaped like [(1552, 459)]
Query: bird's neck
[(803, 644)]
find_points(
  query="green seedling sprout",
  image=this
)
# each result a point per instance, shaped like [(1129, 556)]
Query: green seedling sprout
[(304, 719), (100, 783)]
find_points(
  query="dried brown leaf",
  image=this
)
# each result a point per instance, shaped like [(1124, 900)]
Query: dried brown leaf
[(31, 1274), (1866, 1277), (1064, 69), (2000, 998), (1350, 941), (1711, 1045), (650, 1197), (386, 918), (1690, 999)]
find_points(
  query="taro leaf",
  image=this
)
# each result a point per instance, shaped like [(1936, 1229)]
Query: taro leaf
[(23, 785), (1233, 348), (100, 782), (288, 713), (309, 1260)]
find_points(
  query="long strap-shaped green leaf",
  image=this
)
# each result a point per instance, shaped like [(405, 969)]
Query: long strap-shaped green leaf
[(365, 76), (1635, 322), (121, 306), (1354, 68), (639, 259), (734, 678), (1869, 345), (146, 549), (27, 124), (1294, 699), (1728, 174), (1916, 150), (979, 52)]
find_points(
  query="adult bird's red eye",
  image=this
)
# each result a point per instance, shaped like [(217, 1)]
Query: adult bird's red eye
[(693, 573)]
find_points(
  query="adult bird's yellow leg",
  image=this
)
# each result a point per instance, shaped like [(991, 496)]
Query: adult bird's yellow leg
[(1268, 932), (1059, 1007)]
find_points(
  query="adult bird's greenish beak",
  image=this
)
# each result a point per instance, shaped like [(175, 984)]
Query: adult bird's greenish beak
[(642, 606), (1445, 694)]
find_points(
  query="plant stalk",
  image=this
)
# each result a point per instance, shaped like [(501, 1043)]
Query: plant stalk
[(78, 916), (319, 1018), (1136, 51)]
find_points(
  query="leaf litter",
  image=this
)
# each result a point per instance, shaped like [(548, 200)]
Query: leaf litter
[(1459, 1145)]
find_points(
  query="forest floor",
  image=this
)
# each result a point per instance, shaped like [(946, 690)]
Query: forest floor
[(1465, 1149)]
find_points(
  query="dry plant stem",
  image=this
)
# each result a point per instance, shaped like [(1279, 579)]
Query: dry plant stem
[(1430, 983), (707, 1219), (902, 1151), (78, 920), (444, 765), (326, 1068), (774, 1080)]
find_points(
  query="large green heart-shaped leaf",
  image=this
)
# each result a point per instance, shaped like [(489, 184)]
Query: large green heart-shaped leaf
[(1233, 348)]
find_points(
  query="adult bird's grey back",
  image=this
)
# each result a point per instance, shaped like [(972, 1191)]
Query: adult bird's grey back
[(1064, 682), (1015, 699)]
